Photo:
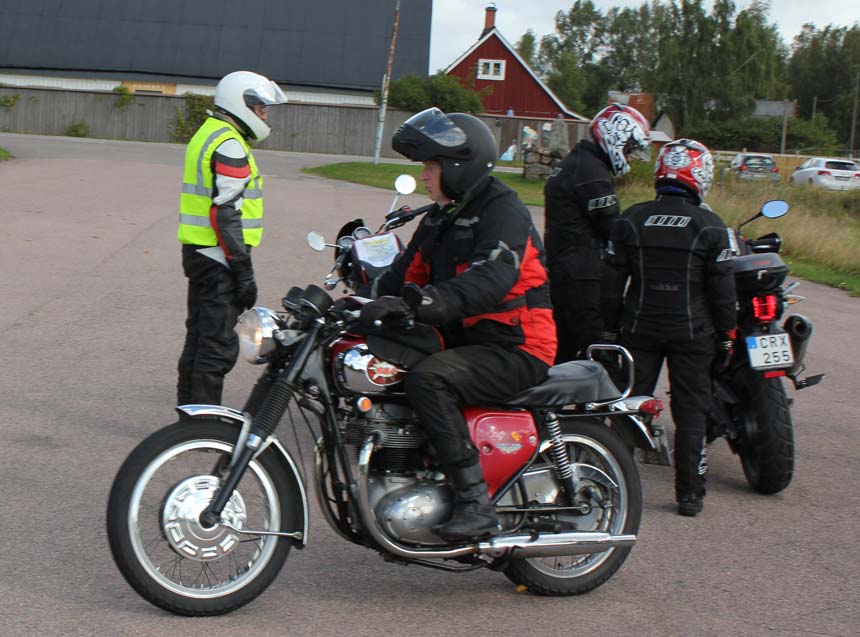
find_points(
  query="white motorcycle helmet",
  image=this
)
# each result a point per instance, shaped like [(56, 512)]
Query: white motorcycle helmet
[(238, 92)]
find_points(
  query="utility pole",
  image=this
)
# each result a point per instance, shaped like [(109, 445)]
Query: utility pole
[(854, 115), (814, 104), (383, 97), (784, 126)]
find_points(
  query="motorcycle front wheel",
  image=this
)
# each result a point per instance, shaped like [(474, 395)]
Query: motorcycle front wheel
[(158, 541), (767, 449), (617, 510)]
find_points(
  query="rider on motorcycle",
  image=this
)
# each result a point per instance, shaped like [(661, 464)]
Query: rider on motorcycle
[(480, 264)]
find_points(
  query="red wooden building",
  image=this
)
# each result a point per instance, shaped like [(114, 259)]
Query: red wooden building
[(515, 89)]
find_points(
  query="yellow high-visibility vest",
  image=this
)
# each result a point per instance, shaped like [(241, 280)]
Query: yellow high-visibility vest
[(198, 184)]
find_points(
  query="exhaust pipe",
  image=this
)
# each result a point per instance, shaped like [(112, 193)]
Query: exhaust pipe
[(520, 545), (553, 544), (799, 330)]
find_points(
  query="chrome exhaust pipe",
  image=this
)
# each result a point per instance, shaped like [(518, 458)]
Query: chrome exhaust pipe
[(520, 545), (553, 544)]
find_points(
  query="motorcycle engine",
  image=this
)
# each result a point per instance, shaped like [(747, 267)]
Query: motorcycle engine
[(400, 437), (407, 498), (408, 506)]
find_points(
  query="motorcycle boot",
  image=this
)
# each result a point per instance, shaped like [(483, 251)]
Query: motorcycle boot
[(474, 516), (691, 504)]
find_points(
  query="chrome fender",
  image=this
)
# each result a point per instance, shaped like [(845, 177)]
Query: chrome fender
[(243, 423)]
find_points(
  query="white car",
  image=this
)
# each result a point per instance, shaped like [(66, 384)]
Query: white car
[(822, 172)]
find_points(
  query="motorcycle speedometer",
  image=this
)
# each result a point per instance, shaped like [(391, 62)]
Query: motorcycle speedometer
[(362, 232)]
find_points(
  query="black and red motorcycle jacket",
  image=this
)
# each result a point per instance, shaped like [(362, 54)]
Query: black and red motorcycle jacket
[(486, 260)]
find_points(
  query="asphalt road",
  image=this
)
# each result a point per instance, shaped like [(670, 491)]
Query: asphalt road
[(92, 324)]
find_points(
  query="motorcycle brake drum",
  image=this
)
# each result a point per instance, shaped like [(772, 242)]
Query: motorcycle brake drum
[(180, 520)]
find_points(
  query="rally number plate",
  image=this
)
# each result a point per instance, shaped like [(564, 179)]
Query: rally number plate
[(767, 351)]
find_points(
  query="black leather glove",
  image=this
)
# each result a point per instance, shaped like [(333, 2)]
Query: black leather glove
[(723, 350), (433, 309), (246, 285), (381, 308)]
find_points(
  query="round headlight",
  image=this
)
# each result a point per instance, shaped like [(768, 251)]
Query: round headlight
[(255, 328)]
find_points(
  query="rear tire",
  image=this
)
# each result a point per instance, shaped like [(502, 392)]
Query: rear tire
[(157, 540), (767, 457), (593, 443)]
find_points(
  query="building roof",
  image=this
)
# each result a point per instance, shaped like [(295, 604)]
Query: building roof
[(338, 43), (494, 32)]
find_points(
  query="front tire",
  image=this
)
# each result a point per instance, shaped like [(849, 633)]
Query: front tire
[(767, 457), (155, 535), (590, 443)]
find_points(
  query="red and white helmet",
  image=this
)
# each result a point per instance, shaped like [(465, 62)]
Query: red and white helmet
[(621, 131), (686, 163)]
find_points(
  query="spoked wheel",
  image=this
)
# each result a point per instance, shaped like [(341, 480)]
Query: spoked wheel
[(157, 538), (609, 481)]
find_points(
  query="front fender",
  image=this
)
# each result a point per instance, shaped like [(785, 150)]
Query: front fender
[(243, 425)]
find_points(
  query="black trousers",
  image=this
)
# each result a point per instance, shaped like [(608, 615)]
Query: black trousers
[(689, 363), (211, 345), (471, 375), (576, 310)]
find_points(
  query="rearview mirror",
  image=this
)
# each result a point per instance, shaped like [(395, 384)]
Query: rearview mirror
[(316, 241), (774, 208), (405, 184)]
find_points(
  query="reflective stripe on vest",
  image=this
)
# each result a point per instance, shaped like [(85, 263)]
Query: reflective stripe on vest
[(195, 199)]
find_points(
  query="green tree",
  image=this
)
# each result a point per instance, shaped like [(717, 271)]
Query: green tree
[(527, 47), (414, 93), (823, 71)]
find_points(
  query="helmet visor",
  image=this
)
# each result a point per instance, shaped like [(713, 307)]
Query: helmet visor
[(435, 125)]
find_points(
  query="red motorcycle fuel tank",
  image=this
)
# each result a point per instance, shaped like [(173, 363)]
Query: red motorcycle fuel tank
[(505, 440)]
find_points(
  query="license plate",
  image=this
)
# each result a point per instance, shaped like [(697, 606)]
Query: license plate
[(770, 350)]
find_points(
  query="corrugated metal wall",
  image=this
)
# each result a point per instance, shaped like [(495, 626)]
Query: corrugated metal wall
[(311, 128)]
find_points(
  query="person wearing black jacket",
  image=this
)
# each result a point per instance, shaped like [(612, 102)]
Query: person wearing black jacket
[(680, 304), (580, 205), (479, 262)]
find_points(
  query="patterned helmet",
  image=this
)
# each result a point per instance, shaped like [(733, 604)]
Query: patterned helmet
[(685, 163), (621, 131)]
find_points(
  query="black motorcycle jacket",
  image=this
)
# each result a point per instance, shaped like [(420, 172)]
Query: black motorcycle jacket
[(580, 205), (678, 258), (485, 260)]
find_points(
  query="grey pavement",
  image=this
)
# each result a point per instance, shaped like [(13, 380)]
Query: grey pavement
[(92, 324)]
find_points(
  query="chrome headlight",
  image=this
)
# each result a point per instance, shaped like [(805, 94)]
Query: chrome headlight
[(255, 329)]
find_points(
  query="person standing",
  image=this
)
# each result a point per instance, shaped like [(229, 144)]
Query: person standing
[(680, 304), (479, 262), (580, 205), (220, 221)]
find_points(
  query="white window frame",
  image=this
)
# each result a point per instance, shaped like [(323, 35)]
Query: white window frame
[(494, 65)]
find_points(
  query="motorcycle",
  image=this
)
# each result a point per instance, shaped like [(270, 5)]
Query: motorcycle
[(751, 409), (203, 513)]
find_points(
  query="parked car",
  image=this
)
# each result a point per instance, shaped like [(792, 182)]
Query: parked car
[(823, 172), (754, 166)]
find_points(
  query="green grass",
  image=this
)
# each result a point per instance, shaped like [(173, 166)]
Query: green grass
[(821, 233), (4, 154)]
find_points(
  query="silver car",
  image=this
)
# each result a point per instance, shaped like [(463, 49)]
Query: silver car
[(754, 166), (823, 172)]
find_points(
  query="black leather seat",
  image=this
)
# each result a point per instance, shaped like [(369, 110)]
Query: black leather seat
[(570, 383)]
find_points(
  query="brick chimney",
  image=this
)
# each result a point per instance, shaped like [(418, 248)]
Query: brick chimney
[(490, 17)]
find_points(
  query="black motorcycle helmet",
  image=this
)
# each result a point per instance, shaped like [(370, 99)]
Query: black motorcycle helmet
[(461, 143)]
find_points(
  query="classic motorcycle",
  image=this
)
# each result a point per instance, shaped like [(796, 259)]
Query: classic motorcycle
[(751, 409), (203, 513)]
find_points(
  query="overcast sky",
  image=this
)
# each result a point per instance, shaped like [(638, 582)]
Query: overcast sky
[(458, 23)]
